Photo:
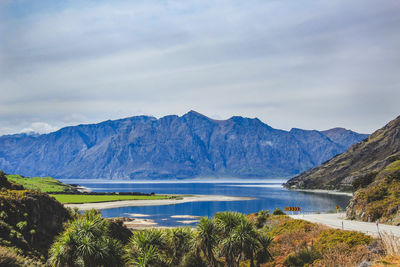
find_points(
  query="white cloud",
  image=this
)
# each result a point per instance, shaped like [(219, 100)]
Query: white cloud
[(39, 127)]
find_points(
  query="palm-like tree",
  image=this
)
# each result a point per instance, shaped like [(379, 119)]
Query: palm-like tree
[(181, 241), (239, 239), (146, 257), (227, 221), (246, 238), (148, 247), (207, 238), (86, 242), (262, 254)]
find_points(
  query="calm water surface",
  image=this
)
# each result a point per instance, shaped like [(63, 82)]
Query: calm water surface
[(268, 194)]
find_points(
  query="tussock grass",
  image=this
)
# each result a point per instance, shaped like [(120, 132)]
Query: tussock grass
[(391, 244)]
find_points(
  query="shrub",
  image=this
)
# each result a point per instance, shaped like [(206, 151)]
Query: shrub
[(193, 260), (21, 225), (261, 218), (331, 238), (289, 226), (301, 258), (278, 212)]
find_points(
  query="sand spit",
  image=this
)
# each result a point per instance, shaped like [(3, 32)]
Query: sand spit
[(185, 217), (188, 221), (83, 189), (139, 223), (155, 202)]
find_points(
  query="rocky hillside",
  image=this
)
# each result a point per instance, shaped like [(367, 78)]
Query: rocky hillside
[(192, 145), (381, 199), (356, 166), (371, 168)]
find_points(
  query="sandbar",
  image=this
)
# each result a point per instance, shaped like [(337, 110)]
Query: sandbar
[(154, 202), (188, 221), (185, 217), (137, 215)]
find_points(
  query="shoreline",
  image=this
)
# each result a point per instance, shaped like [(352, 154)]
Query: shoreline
[(323, 191), (155, 202)]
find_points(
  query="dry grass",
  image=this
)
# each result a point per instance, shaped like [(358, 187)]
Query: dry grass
[(391, 244), (345, 256), (389, 261)]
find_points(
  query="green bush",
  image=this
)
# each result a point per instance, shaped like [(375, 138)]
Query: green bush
[(332, 237), (290, 226), (21, 225), (278, 212), (301, 258)]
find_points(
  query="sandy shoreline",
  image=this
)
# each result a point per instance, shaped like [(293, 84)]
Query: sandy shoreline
[(322, 191), (155, 202)]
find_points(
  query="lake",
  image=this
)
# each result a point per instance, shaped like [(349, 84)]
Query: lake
[(269, 195)]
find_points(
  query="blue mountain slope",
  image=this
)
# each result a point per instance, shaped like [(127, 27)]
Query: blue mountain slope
[(192, 145)]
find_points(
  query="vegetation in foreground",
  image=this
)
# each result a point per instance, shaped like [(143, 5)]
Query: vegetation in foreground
[(36, 230), (46, 184), (83, 198), (229, 239)]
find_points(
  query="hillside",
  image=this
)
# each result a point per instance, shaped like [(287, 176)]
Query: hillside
[(45, 184), (29, 220), (371, 168), (192, 145)]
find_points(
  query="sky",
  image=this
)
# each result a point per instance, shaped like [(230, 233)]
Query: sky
[(306, 64)]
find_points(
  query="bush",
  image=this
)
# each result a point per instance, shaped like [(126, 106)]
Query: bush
[(193, 260), (291, 226), (303, 257), (278, 212), (261, 218), (331, 238)]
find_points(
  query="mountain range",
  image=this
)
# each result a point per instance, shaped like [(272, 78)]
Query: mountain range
[(188, 146)]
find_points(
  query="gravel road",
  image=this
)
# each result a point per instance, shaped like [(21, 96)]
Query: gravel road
[(335, 221)]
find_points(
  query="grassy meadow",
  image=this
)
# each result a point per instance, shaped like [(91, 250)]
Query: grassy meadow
[(45, 184)]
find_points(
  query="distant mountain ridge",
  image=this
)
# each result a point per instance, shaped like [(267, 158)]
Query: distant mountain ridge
[(188, 146)]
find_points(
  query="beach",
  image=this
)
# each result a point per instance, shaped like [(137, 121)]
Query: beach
[(156, 202)]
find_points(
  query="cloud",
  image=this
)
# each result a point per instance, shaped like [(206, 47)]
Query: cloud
[(305, 64), (40, 127)]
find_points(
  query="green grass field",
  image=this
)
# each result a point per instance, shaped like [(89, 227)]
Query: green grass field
[(71, 199), (46, 184)]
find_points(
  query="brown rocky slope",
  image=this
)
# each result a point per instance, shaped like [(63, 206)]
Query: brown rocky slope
[(370, 168)]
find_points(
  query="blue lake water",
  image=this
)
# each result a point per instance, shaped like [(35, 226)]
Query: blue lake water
[(268, 194)]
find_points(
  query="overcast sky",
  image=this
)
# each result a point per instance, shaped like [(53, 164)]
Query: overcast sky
[(305, 64)]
